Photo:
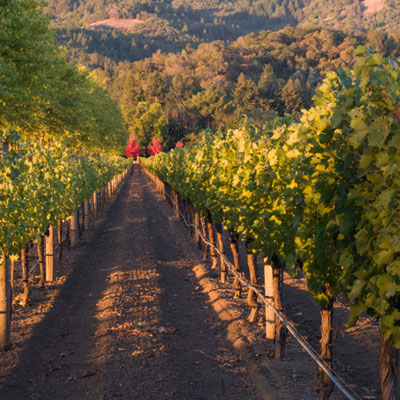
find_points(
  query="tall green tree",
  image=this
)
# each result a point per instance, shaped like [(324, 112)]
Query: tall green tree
[(147, 122)]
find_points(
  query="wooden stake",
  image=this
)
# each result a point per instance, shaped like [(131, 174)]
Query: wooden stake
[(269, 295), (86, 215), (94, 206), (25, 278), (5, 304), (50, 255), (60, 240), (74, 233), (40, 252), (12, 271)]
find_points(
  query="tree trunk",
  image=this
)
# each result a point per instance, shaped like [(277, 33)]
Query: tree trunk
[(40, 252), (211, 239), (251, 296), (176, 205), (221, 248), (324, 384), (5, 304), (25, 277), (204, 230), (390, 368), (280, 334), (234, 241), (196, 232)]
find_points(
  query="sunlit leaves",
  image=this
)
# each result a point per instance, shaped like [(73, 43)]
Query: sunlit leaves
[(41, 184), (325, 191)]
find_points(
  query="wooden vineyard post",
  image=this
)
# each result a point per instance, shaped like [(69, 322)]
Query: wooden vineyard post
[(390, 365), (94, 206), (251, 296), (5, 304), (60, 240), (68, 234), (234, 242), (74, 232), (269, 295), (280, 338), (80, 223), (25, 277), (103, 197), (12, 271), (50, 255), (164, 191), (221, 248), (40, 252), (86, 215)]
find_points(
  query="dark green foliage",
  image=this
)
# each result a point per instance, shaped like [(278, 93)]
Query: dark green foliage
[(169, 26)]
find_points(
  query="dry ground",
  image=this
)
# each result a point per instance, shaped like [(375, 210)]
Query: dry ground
[(134, 314)]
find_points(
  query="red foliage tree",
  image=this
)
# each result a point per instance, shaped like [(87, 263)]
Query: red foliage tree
[(132, 150), (155, 147), (179, 143)]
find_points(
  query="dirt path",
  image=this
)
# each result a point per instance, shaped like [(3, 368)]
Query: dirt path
[(128, 322)]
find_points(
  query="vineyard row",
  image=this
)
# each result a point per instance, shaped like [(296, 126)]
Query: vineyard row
[(41, 192), (321, 195), (275, 319)]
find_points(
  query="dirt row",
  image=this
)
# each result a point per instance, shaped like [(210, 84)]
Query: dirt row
[(135, 314)]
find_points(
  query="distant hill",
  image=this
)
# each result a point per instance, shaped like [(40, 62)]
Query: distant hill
[(101, 33)]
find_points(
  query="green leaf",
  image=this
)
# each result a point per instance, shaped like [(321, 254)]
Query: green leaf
[(355, 312), (378, 131)]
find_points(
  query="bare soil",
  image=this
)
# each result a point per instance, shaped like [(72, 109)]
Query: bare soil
[(117, 23), (135, 314), (372, 6)]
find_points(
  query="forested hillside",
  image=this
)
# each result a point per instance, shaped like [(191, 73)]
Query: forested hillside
[(179, 67), (261, 75), (170, 25)]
